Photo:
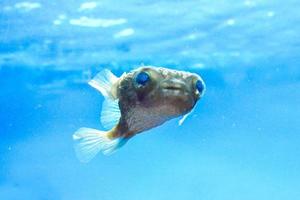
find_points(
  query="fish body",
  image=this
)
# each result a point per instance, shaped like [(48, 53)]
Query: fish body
[(137, 101)]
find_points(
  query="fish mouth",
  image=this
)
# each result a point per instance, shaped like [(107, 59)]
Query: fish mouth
[(172, 87), (174, 90)]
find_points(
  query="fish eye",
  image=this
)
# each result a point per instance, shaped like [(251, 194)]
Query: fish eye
[(200, 86), (142, 78)]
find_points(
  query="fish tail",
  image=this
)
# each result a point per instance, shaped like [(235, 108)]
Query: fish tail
[(89, 142)]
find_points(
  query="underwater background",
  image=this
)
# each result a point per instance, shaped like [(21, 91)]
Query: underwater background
[(241, 142)]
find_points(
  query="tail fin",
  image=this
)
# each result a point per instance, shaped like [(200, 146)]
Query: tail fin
[(88, 142)]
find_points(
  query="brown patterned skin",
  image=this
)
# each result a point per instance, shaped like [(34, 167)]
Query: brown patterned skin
[(167, 95)]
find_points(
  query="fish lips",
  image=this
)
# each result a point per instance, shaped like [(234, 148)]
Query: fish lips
[(175, 87), (179, 96)]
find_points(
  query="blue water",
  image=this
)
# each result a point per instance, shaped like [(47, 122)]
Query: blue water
[(242, 141)]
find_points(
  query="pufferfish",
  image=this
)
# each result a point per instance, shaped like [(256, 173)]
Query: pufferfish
[(135, 102)]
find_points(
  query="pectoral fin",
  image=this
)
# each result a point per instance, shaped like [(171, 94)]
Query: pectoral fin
[(180, 122), (110, 114)]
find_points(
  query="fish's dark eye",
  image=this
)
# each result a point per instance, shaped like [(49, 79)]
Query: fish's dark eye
[(200, 86), (142, 78)]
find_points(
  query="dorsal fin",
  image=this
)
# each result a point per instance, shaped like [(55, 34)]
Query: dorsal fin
[(105, 82)]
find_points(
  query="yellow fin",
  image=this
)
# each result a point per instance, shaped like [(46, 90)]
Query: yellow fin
[(89, 142)]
